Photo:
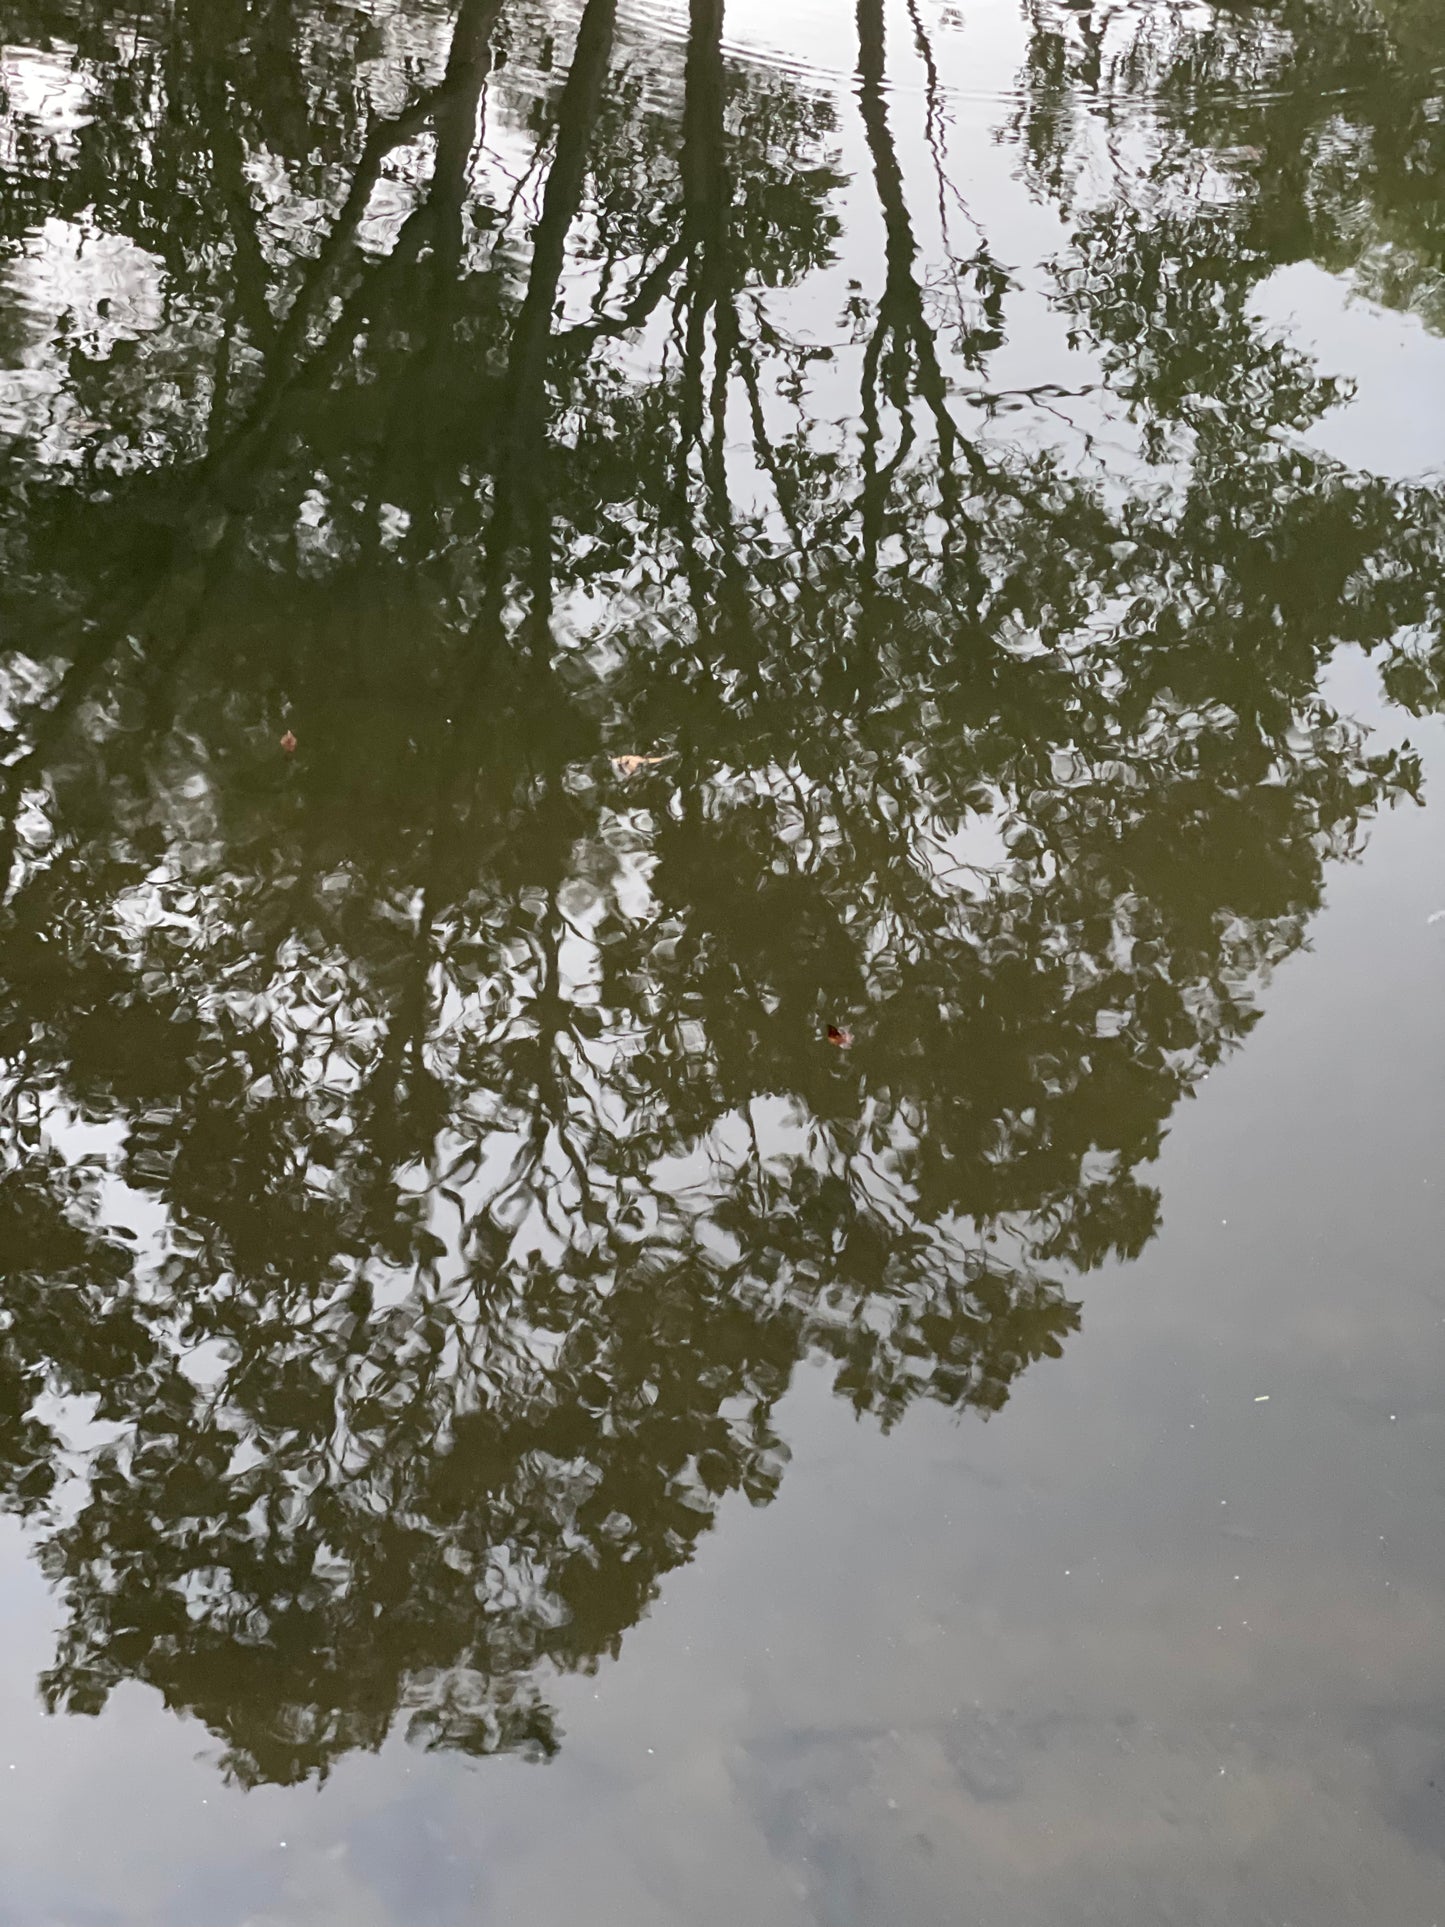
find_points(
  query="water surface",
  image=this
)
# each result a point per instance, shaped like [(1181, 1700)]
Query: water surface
[(720, 970)]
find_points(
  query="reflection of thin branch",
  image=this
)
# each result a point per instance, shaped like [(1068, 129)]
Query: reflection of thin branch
[(520, 182), (1039, 392), (521, 500), (938, 148), (901, 319), (767, 455), (646, 299)]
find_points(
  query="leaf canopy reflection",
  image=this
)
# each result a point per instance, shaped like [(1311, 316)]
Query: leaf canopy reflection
[(508, 644)]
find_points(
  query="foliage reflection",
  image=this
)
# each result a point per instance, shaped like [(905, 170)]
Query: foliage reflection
[(425, 1164)]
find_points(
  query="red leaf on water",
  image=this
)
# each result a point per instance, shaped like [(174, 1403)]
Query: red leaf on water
[(839, 1036), (288, 743)]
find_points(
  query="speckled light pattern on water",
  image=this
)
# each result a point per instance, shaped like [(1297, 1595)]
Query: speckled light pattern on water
[(722, 1065)]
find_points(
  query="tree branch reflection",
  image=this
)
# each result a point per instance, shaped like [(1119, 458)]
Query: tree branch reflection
[(424, 1165)]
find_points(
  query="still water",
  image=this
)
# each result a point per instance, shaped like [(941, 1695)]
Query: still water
[(722, 1065)]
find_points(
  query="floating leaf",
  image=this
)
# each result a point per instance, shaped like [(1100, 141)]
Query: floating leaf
[(630, 765)]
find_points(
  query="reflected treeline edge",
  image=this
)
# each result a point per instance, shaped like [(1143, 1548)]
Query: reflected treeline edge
[(423, 1166)]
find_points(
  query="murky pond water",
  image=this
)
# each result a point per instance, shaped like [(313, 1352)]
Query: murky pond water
[(722, 1065)]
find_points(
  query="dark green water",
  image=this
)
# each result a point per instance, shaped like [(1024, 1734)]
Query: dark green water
[(722, 1056)]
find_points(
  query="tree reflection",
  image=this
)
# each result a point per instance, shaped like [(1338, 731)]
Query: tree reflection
[(425, 1164)]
